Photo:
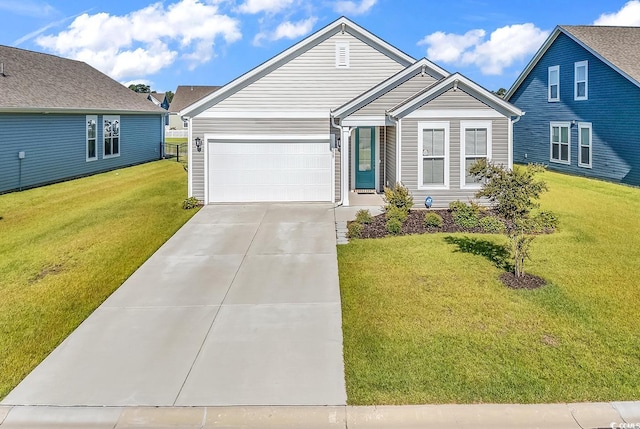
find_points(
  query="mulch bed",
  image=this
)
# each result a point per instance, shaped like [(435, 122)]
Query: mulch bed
[(527, 281)]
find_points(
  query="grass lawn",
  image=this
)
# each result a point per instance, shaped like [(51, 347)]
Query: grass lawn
[(426, 320), (175, 140), (65, 248)]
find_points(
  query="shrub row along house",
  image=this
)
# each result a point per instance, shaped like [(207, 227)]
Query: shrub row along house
[(344, 111), (61, 119)]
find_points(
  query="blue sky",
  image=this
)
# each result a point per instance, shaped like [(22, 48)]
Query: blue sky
[(210, 42)]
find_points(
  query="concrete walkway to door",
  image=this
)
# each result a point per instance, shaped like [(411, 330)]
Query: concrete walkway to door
[(240, 307)]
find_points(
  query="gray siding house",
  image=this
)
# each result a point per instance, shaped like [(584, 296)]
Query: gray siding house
[(61, 119), (185, 96), (343, 111)]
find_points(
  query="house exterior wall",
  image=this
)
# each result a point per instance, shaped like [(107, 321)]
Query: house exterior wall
[(395, 96), (409, 147), (55, 147), (176, 122), (390, 157), (612, 109)]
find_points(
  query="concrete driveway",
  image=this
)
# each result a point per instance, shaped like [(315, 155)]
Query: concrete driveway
[(240, 307)]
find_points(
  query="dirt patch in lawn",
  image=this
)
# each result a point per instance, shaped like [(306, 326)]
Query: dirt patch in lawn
[(526, 281)]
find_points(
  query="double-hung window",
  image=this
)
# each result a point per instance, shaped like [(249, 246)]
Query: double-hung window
[(560, 149), (584, 142), (581, 78), (433, 155), (111, 130), (475, 145), (554, 84), (92, 137)]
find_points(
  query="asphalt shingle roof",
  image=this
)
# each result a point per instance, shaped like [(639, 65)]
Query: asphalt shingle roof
[(34, 81), (186, 95)]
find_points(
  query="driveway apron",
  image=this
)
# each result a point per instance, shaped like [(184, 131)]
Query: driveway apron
[(240, 307)]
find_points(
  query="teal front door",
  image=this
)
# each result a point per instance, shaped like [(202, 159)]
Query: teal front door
[(365, 158)]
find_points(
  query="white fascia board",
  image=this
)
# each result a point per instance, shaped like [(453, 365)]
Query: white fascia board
[(269, 137), (265, 114), (365, 121), (292, 52)]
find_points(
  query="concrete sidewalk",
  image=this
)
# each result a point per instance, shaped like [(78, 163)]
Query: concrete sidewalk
[(550, 416)]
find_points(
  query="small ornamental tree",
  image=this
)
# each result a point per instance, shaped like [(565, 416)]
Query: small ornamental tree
[(513, 194)]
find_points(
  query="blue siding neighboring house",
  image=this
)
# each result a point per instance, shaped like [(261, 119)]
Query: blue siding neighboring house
[(61, 119), (581, 95)]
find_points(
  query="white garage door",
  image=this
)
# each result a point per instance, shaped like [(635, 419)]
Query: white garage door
[(242, 171)]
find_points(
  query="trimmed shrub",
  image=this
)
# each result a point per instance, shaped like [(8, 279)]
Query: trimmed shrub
[(363, 216), (492, 225), (394, 226), (396, 213), (190, 203), (399, 197), (465, 216), (354, 229), (432, 220)]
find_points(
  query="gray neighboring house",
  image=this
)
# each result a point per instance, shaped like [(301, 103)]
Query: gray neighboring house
[(339, 112), (61, 119), (184, 96)]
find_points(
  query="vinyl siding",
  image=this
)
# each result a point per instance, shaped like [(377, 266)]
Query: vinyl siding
[(55, 147), (390, 161), (311, 81), (455, 100), (395, 96), (612, 109), (338, 165)]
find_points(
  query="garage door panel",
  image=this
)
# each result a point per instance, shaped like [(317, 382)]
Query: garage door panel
[(269, 171)]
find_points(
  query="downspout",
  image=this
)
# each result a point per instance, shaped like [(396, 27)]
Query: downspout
[(339, 128), (511, 122)]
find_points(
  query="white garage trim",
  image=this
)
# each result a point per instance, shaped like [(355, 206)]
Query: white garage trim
[(256, 170), (269, 137)]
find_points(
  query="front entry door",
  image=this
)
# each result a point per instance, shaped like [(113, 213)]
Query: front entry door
[(365, 158)]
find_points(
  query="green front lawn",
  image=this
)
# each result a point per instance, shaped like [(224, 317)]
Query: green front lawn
[(426, 320), (65, 248)]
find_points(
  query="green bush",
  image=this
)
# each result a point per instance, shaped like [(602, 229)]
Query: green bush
[(396, 213), (492, 225), (190, 203), (363, 216), (394, 226), (432, 220), (465, 216), (354, 229), (545, 220), (399, 197)]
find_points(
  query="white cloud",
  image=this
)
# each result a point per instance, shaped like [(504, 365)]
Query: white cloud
[(27, 7), (351, 7), (144, 41), (505, 46), (287, 30), (629, 15), (270, 6)]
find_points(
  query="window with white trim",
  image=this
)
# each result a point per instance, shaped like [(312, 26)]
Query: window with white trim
[(342, 55), (111, 136), (554, 84), (475, 141), (560, 150), (581, 78), (185, 123), (433, 155), (92, 137), (584, 144)]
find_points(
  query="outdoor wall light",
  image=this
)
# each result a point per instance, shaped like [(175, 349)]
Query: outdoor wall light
[(199, 144)]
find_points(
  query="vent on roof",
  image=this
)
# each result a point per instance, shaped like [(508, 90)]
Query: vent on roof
[(342, 54)]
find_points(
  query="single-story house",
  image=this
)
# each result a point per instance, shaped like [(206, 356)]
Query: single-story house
[(184, 96), (61, 119), (581, 92), (159, 99), (343, 111)]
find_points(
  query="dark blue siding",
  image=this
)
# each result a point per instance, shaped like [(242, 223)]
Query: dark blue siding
[(612, 108), (55, 147)]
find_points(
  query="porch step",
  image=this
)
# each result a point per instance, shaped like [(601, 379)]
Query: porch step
[(341, 232)]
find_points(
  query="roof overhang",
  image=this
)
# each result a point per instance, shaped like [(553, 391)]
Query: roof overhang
[(57, 110), (339, 25)]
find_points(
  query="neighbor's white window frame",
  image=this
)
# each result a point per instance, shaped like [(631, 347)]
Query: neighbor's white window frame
[(342, 55), (464, 125), (560, 125), (433, 126), (552, 69), (582, 126), (576, 66), (185, 123), (93, 118), (111, 137)]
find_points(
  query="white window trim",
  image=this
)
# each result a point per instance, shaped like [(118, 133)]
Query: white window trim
[(582, 125), (551, 69), (426, 126), (86, 120), (463, 126), (559, 124), (111, 117), (586, 80), (340, 46)]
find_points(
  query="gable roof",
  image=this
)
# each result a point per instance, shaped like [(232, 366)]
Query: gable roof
[(188, 94), (456, 81), (341, 24), (421, 66), (37, 82), (618, 47), (158, 96)]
